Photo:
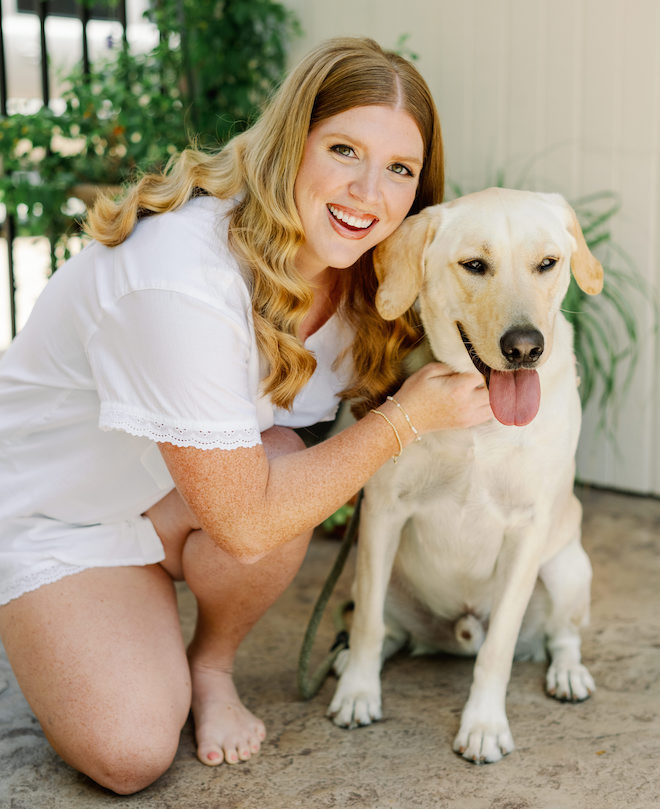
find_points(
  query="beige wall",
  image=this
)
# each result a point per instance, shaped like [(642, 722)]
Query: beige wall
[(565, 96)]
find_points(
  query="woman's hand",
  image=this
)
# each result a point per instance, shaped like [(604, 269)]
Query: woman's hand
[(438, 398)]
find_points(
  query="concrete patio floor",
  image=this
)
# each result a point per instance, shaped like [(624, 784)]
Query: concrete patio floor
[(601, 754)]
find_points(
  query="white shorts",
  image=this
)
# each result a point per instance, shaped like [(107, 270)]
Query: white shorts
[(38, 550)]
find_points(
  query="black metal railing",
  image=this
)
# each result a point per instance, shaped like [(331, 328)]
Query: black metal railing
[(8, 226), (43, 9)]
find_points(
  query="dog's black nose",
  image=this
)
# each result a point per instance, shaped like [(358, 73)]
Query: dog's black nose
[(522, 346)]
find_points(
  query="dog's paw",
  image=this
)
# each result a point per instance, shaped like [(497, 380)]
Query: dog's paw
[(483, 743), (356, 702), (569, 683), (484, 735)]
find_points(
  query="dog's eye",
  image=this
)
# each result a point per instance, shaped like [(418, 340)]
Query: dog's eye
[(547, 264), (475, 266)]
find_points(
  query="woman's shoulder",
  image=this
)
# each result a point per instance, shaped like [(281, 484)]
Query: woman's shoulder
[(185, 250), (199, 227)]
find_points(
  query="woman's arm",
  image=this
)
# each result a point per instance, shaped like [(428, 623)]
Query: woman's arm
[(249, 505)]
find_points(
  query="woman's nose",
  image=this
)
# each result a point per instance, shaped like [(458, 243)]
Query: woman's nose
[(366, 186)]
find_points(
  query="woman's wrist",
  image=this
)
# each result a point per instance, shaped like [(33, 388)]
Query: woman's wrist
[(378, 412), (401, 429), (404, 413)]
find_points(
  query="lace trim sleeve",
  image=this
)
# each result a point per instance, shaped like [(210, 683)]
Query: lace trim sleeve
[(113, 417)]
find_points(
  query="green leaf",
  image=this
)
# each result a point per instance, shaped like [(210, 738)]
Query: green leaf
[(129, 114)]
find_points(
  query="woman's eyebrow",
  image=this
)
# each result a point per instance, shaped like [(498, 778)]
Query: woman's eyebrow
[(416, 161), (343, 136)]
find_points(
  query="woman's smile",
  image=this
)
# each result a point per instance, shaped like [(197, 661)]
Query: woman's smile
[(356, 183), (351, 224)]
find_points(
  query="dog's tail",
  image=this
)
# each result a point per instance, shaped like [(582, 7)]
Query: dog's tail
[(469, 633)]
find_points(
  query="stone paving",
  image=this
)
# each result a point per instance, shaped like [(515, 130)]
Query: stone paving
[(601, 754)]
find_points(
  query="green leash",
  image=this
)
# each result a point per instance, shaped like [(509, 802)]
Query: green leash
[(308, 686)]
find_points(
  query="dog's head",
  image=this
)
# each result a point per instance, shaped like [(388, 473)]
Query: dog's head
[(491, 270)]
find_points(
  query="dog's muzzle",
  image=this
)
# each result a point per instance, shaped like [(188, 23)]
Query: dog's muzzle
[(515, 394)]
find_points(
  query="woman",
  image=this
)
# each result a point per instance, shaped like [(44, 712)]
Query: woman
[(148, 405)]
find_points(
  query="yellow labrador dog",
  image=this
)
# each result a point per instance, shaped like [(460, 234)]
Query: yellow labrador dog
[(471, 543)]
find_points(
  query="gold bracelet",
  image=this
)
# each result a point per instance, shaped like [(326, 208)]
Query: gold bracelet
[(396, 457), (418, 437)]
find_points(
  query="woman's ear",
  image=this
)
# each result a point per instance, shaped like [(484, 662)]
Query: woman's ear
[(399, 263)]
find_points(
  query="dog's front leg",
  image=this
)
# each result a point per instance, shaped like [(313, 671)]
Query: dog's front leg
[(484, 734), (567, 578), (357, 699)]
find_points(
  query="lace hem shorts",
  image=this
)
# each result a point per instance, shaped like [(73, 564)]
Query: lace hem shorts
[(38, 550)]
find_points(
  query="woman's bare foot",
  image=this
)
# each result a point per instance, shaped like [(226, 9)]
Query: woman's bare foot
[(224, 728)]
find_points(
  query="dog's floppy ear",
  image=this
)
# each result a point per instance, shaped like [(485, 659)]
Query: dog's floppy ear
[(587, 270), (399, 263)]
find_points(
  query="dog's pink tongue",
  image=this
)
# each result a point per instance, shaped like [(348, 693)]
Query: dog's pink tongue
[(515, 396)]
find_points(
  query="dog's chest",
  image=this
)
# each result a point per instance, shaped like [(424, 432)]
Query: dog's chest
[(466, 478), (460, 493)]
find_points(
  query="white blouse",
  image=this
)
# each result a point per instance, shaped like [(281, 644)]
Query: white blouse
[(150, 341)]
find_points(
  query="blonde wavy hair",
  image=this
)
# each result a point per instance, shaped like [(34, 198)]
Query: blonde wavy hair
[(259, 167)]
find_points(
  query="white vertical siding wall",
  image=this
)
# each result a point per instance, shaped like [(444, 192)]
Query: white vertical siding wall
[(564, 95)]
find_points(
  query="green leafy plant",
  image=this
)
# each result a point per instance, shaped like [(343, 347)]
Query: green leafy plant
[(334, 525), (213, 68), (606, 328), (229, 56), (26, 158)]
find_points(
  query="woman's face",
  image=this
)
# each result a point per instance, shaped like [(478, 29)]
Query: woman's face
[(357, 180)]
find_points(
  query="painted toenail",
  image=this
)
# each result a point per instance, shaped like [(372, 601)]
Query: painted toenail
[(213, 756)]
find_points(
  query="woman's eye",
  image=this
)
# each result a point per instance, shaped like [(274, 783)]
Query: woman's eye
[(547, 263), (475, 266), (399, 168), (343, 150)]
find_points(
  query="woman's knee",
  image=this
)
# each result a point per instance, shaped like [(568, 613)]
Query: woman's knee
[(173, 521), (281, 441), (128, 762)]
